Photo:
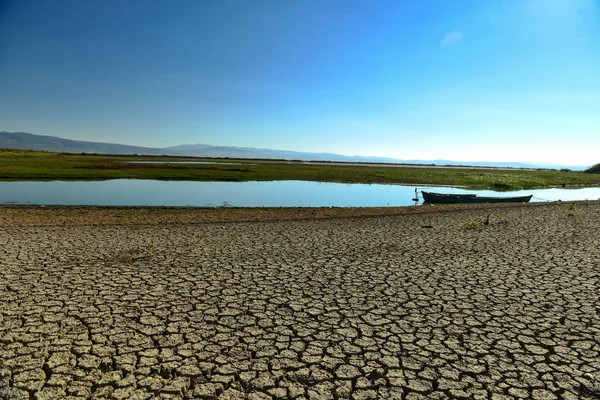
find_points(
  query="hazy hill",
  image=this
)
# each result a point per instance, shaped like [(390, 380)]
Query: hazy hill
[(250, 152), (28, 141)]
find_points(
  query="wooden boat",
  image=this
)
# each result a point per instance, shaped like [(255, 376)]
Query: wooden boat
[(430, 197)]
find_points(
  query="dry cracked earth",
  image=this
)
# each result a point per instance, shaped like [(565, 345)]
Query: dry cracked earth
[(443, 303)]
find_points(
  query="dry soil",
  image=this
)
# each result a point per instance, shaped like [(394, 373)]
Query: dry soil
[(485, 302)]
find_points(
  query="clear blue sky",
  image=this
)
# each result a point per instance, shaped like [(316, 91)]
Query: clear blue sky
[(496, 80)]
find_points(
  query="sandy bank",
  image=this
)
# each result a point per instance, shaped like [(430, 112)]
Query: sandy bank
[(91, 215)]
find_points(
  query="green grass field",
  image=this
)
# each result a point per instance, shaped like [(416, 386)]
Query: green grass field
[(34, 165)]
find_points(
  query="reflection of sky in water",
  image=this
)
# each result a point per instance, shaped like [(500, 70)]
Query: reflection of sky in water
[(243, 194)]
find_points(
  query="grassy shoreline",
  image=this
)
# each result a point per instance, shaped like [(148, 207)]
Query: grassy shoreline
[(17, 165)]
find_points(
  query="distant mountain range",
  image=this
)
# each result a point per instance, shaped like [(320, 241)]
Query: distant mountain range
[(29, 141)]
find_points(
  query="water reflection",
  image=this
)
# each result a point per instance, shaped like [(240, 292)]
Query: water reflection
[(133, 192)]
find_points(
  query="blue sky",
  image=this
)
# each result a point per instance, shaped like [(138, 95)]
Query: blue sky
[(494, 80)]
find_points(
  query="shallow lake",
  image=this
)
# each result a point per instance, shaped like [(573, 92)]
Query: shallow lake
[(135, 192)]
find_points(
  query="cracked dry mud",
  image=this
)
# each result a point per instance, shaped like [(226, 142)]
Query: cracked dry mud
[(427, 304)]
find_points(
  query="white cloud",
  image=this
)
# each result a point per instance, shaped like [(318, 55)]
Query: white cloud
[(451, 38)]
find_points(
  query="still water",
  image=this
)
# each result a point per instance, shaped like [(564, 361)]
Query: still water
[(135, 192)]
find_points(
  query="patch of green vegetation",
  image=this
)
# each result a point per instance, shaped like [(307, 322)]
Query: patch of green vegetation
[(36, 165), (474, 224)]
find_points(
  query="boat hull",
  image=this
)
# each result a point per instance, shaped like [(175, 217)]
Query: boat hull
[(430, 197)]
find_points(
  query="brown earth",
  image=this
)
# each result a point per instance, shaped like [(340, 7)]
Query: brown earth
[(332, 303)]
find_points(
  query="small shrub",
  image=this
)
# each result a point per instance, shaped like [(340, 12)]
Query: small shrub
[(474, 224)]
